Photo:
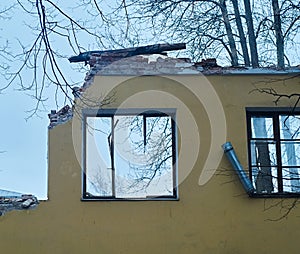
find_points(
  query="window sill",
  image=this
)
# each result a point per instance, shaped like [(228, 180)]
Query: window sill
[(88, 199), (275, 195)]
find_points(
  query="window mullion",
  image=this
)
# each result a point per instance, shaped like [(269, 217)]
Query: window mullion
[(249, 137), (112, 155), (276, 127), (145, 130), (84, 150), (174, 156)]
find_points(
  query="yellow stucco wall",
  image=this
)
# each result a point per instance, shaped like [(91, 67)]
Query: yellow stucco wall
[(216, 217)]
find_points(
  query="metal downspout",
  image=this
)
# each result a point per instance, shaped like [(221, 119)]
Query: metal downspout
[(231, 155)]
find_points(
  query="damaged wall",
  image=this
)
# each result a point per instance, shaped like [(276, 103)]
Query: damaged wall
[(217, 217), (23, 202)]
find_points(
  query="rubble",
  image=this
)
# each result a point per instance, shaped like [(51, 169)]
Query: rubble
[(149, 60), (128, 52), (139, 65), (207, 63), (23, 202), (77, 91), (61, 116)]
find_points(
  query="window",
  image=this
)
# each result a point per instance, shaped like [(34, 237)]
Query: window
[(274, 150), (129, 154)]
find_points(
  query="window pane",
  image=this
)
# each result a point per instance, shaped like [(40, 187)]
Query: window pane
[(290, 152), (274, 172), (143, 156), (262, 127), (263, 153), (265, 179), (291, 180), (98, 159), (289, 127)]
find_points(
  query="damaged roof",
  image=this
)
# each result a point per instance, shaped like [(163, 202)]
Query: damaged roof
[(149, 60), (61, 116), (128, 52), (10, 200), (99, 59), (8, 194)]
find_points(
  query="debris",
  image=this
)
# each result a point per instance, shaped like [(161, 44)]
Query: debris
[(60, 117), (27, 203), (149, 60), (128, 52), (77, 91), (207, 63), (17, 203)]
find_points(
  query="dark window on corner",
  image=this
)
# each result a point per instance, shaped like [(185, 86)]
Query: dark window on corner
[(274, 150), (129, 154)]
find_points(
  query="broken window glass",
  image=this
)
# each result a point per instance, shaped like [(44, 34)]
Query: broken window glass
[(130, 155)]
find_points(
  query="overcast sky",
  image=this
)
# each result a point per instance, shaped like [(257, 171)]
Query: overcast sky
[(23, 143)]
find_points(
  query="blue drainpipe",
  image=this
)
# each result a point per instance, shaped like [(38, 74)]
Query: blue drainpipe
[(231, 155)]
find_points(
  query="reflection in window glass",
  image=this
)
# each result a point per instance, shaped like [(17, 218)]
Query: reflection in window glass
[(274, 148), (98, 161), (130, 156), (262, 127), (289, 127), (290, 152), (290, 178), (264, 153)]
